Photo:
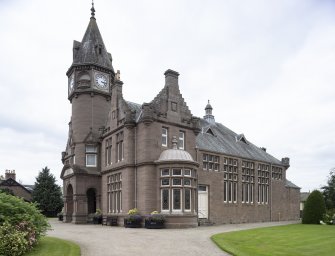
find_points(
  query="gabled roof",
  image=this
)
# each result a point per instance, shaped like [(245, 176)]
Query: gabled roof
[(13, 183), (228, 142)]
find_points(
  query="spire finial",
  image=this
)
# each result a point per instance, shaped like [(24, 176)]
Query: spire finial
[(208, 101), (92, 10)]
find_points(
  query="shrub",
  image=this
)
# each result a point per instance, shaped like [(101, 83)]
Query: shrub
[(21, 225), (314, 208), (329, 217), (13, 241), (15, 211)]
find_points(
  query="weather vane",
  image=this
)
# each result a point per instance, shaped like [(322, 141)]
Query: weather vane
[(92, 10)]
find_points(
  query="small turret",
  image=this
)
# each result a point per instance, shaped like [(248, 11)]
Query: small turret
[(209, 117)]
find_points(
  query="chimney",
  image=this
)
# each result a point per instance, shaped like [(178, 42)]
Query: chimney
[(10, 174), (171, 78), (285, 161)]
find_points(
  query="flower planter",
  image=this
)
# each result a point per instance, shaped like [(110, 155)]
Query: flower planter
[(60, 217), (132, 223), (97, 219), (151, 224)]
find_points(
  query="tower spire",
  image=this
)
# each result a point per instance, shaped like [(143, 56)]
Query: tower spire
[(92, 10)]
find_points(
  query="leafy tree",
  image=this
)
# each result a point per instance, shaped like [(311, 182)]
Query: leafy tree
[(314, 208), (328, 191), (2, 177), (47, 194)]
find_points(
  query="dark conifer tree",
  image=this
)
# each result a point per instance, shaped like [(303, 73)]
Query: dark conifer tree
[(47, 194), (314, 208)]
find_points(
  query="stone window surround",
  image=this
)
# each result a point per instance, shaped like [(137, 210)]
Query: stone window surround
[(114, 193), (184, 189), (91, 153)]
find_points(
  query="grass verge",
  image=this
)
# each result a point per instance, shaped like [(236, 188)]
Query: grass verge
[(297, 239), (52, 246)]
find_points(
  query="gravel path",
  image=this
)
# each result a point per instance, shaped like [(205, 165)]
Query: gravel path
[(97, 240)]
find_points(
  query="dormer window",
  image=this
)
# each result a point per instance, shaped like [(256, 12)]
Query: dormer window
[(241, 138)]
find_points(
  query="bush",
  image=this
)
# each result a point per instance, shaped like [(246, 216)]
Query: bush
[(329, 217), (21, 225), (314, 208), (13, 241)]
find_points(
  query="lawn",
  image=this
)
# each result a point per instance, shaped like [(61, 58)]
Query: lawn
[(297, 239), (52, 246)]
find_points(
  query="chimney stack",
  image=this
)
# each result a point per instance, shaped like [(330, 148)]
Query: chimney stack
[(171, 78), (10, 174)]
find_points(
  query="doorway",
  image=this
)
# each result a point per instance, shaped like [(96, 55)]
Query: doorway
[(203, 201), (91, 201)]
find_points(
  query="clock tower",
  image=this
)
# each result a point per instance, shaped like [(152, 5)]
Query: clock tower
[(90, 78)]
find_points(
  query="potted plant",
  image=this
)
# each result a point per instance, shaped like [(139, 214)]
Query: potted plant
[(97, 217), (60, 216), (155, 220), (133, 220)]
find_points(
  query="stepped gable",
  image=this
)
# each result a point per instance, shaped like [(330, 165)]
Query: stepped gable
[(169, 102)]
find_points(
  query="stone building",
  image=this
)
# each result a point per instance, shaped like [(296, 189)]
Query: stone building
[(10, 184), (158, 156)]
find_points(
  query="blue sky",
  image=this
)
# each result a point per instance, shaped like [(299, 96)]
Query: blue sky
[(266, 66)]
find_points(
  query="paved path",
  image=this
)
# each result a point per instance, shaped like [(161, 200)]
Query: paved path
[(97, 240)]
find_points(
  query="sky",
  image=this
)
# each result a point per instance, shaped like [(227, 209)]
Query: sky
[(267, 68)]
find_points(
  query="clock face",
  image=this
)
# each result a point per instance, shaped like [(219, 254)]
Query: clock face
[(71, 83), (101, 81)]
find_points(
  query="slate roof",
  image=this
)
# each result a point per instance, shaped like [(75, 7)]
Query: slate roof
[(291, 185), (137, 108), (225, 141), (87, 51), (304, 196)]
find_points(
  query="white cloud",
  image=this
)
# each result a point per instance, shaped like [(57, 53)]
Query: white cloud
[(266, 66)]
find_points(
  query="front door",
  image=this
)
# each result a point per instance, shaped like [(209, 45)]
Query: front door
[(203, 202)]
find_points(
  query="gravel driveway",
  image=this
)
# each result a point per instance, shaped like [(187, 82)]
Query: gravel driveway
[(97, 240)]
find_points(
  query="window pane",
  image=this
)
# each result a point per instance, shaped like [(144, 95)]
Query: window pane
[(187, 172), (181, 140), (165, 199), (176, 182), (91, 160), (177, 172), (165, 182), (187, 182), (164, 137), (91, 149), (165, 172), (187, 199), (202, 188), (176, 199)]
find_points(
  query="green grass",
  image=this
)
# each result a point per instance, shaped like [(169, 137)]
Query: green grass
[(52, 246), (292, 240)]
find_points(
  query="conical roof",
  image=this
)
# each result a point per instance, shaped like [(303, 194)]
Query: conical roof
[(92, 49)]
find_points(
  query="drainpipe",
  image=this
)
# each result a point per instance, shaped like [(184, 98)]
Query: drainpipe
[(135, 166), (270, 178)]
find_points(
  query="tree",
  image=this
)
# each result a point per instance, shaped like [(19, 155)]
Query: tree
[(328, 191), (47, 194), (314, 208)]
